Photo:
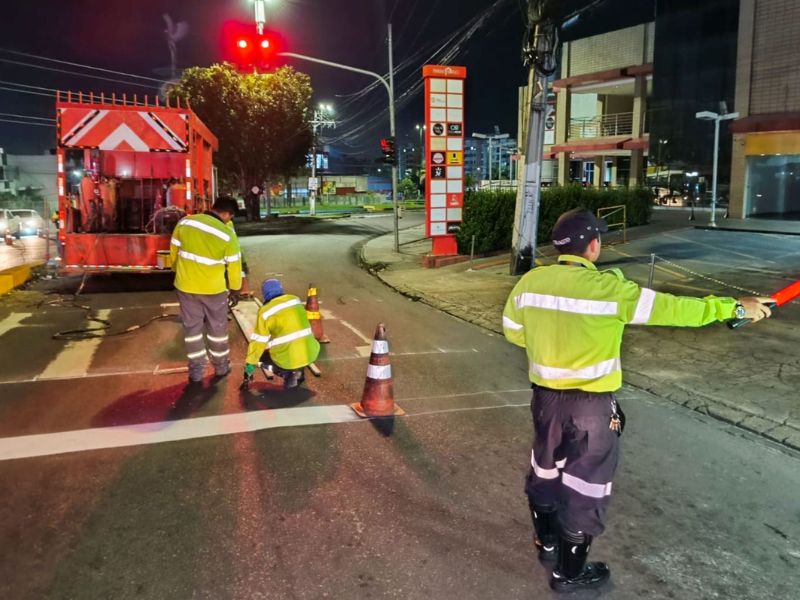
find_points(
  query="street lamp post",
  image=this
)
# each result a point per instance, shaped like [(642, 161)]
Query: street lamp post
[(707, 115), (491, 139), (389, 85)]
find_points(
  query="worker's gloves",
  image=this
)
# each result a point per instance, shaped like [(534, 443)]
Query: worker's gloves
[(233, 298), (249, 371)]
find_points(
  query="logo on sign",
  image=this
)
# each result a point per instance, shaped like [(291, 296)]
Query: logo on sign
[(453, 228), (438, 129), (437, 158), (454, 129), (454, 200), (454, 158), (438, 173)]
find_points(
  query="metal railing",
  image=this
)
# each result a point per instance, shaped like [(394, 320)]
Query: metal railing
[(620, 222), (602, 126)]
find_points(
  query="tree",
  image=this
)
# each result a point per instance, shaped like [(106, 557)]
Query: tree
[(408, 188), (261, 121)]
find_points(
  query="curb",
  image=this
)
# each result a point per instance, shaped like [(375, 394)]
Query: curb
[(16, 276), (783, 433)]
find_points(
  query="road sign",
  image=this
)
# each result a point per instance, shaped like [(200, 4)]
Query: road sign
[(455, 158), (313, 184), (454, 129), (437, 158)]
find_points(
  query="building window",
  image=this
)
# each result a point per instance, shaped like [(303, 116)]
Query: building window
[(773, 186)]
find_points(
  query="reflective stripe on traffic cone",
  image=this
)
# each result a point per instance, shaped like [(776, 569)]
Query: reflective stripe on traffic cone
[(314, 316), (378, 398)]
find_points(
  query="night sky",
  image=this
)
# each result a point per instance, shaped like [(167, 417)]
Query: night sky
[(128, 36)]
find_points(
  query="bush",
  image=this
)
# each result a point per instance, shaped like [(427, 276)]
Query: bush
[(489, 216)]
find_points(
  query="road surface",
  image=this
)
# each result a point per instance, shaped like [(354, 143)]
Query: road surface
[(285, 495)]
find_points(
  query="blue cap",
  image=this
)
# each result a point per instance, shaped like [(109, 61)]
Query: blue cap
[(270, 289)]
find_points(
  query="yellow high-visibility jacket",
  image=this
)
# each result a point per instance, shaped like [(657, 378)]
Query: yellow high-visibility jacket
[(282, 327), (570, 319), (202, 249)]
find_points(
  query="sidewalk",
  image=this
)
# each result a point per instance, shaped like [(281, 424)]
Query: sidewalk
[(748, 377)]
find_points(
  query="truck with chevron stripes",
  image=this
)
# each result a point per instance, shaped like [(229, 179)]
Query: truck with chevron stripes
[(128, 170)]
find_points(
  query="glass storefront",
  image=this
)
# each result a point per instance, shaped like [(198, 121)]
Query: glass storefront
[(773, 187)]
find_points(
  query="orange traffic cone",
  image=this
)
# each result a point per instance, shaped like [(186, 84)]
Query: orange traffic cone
[(245, 289), (314, 316), (9, 239), (378, 398)]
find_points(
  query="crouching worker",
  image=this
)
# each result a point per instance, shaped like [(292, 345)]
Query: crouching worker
[(282, 337)]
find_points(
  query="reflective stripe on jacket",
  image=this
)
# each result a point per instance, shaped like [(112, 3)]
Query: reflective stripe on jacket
[(570, 320), (282, 327), (203, 248)]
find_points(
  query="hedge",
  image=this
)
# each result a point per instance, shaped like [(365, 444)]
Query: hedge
[(489, 216)]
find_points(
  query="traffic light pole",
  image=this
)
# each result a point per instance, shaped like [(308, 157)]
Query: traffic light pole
[(389, 85)]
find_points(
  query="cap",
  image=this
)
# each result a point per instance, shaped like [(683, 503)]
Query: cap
[(270, 289), (575, 229)]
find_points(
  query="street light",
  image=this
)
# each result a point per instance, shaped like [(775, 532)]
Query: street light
[(707, 115), (491, 138)]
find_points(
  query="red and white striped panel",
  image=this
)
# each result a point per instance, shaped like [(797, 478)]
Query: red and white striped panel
[(109, 129)]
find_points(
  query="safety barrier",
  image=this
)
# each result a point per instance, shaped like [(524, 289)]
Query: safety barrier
[(609, 211)]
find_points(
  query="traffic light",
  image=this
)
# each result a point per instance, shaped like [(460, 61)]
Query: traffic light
[(389, 155), (247, 49)]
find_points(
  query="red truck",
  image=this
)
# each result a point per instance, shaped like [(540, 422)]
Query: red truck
[(128, 170)]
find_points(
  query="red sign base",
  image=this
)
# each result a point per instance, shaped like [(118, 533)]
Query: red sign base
[(444, 245)]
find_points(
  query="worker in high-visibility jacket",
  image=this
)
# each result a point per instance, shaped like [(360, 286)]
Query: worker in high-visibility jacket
[(282, 337), (208, 276), (570, 318)]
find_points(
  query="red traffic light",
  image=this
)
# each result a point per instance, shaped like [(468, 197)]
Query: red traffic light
[(242, 43), (248, 49), (265, 44)]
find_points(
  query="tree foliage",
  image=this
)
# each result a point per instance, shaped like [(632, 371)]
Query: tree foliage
[(261, 120)]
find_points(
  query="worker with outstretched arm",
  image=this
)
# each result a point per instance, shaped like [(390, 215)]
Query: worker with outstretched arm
[(570, 317), (282, 337), (208, 277)]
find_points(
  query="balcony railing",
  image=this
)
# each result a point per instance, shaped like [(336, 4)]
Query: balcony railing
[(603, 126)]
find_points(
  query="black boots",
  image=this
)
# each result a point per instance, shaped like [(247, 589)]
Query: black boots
[(573, 572), (545, 523)]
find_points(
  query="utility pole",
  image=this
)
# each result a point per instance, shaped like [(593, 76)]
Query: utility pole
[(545, 19), (322, 118), (389, 86), (707, 115)]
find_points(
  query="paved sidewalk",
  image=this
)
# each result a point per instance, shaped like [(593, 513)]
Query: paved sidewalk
[(749, 377)]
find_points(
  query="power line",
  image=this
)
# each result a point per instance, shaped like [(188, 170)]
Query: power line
[(27, 123), (24, 64), (73, 64), (27, 117), (32, 87), (8, 89)]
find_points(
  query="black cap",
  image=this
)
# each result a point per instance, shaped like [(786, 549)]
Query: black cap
[(575, 229)]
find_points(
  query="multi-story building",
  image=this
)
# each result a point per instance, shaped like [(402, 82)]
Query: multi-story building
[(765, 168), (600, 133), (5, 184)]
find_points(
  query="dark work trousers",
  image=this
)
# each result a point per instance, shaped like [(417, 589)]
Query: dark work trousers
[(205, 331), (574, 456)]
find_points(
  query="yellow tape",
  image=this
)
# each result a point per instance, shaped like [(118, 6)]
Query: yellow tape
[(313, 315)]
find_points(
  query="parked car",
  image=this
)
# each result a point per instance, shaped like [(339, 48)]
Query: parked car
[(9, 223), (30, 222)]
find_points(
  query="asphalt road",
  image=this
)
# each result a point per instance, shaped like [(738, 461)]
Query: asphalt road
[(29, 248), (283, 495)]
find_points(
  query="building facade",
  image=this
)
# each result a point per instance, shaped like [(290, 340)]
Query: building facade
[(597, 126), (765, 167)]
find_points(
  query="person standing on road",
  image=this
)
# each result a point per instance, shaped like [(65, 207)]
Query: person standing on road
[(204, 252), (282, 337), (570, 318)]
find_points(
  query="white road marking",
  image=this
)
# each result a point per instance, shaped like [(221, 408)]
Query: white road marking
[(98, 374), (356, 331), (12, 321), (364, 351), (76, 357), (48, 444), (718, 249)]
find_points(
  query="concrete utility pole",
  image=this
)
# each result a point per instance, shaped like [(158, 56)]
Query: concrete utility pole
[(322, 118), (545, 19), (707, 115), (389, 85)]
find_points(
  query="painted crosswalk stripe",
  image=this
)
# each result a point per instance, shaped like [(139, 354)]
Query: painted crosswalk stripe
[(48, 444), (12, 321), (76, 357)]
